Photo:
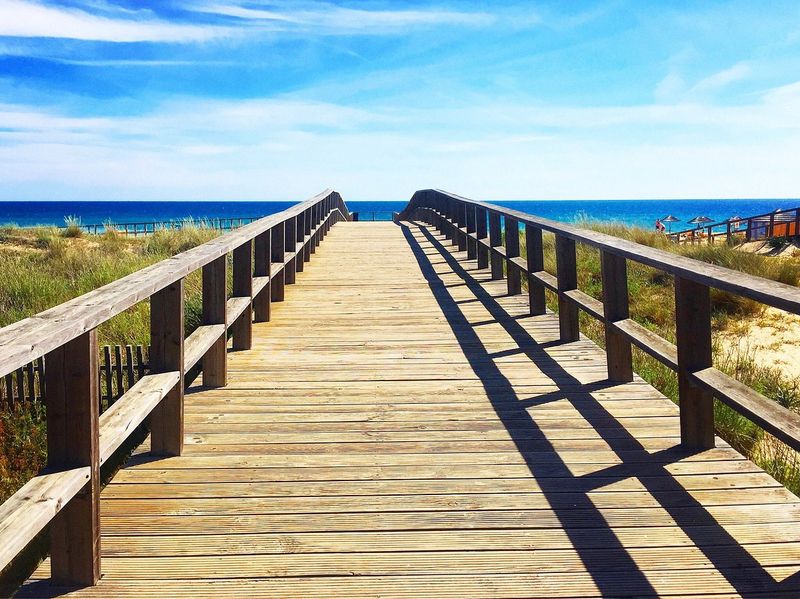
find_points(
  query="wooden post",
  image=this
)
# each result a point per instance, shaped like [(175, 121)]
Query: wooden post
[(290, 238), (166, 355), (535, 256), (277, 245), (72, 382), (215, 360), (242, 328), (472, 247), (513, 279), (300, 230), (263, 268), (461, 223), (693, 332), (307, 234), (495, 240), (614, 272), (566, 269), (481, 231), (314, 223)]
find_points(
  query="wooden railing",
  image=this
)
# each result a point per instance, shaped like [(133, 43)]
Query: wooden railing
[(780, 223), (477, 227), (266, 255)]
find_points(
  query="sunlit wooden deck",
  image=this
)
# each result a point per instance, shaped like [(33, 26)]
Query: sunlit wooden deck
[(403, 428)]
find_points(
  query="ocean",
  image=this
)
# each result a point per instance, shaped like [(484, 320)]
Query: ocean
[(641, 213)]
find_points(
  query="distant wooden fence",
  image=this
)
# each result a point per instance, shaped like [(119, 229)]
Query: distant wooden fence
[(120, 368), (781, 223), (150, 227)]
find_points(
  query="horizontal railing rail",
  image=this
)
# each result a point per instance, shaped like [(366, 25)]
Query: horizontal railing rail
[(477, 227), (267, 254)]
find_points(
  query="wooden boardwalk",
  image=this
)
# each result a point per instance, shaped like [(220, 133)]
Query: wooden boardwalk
[(402, 428)]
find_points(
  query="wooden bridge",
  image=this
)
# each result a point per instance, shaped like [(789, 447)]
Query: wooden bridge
[(401, 421)]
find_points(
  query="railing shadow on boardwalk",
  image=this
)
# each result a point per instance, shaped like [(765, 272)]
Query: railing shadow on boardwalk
[(612, 569)]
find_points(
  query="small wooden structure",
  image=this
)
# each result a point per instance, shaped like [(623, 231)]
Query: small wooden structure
[(407, 423)]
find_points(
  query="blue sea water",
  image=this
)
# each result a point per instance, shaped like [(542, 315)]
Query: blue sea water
[(641, 213)]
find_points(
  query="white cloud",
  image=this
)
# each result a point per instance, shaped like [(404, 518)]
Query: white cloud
[(281, 148), (23, 18), (737, 72), (326, 18)]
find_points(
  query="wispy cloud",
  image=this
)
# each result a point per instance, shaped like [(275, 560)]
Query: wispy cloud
[(329, 18), (23, 18)]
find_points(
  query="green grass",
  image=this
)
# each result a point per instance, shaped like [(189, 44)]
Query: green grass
[(652, 304)]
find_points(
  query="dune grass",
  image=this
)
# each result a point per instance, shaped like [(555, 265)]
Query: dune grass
[(652, 304)]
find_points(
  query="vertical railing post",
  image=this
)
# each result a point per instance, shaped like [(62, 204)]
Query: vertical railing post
[(242, 328), (614, 273), (290, 239), (567, 273), (215, 360), (513, 279), (307, 235), (72, 382), (314, 223), (534, 249), (166, 355), (263, 268), (461, 220), (481, 232), (495, 240), (472, 245), (299, 265), (693, 333), (449, 232), (278, 246)]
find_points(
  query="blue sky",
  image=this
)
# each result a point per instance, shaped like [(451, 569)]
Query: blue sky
[(236, 99)]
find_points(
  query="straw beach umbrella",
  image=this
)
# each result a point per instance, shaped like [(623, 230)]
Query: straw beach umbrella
[(699, 220), (670, 219)]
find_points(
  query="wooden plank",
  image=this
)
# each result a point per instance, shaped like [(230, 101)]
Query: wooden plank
[(200, 343), (766, 413), (72, 442), (28, 511), (645, 339), (130, 410), (262, 271)]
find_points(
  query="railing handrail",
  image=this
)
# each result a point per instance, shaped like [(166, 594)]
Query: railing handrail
[(30, 338), (772, 293)]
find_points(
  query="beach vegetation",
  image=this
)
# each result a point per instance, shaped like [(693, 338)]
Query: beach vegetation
[(72, 227)]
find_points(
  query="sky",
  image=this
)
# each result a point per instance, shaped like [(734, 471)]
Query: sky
[(258, 100)]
